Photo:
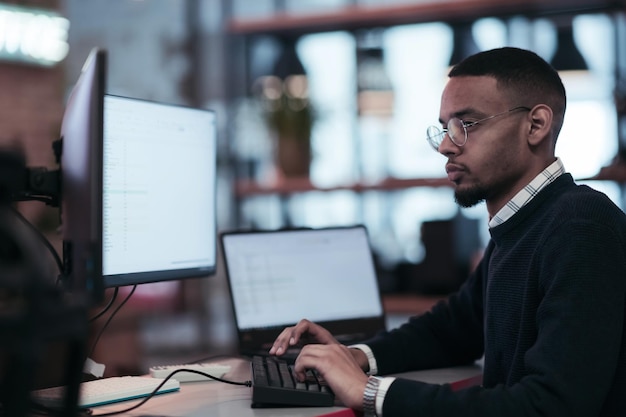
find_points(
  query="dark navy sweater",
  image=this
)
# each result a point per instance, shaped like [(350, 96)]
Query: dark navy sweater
[(546, 308)]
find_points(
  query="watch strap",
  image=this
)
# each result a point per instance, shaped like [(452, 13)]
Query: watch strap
[(369, 396)]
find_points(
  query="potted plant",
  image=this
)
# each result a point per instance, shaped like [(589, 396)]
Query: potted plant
[(289, 116)]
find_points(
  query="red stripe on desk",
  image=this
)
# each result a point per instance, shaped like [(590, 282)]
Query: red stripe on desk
[(346, 412), (467, 382)]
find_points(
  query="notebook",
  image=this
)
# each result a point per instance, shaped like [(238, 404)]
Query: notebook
[(278, 277)]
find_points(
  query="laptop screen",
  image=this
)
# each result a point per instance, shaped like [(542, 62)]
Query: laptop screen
[(278, 277)]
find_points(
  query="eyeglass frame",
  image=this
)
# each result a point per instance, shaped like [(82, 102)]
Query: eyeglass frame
[(443, 131)]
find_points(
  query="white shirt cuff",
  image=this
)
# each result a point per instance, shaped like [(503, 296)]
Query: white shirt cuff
[(370, 357)]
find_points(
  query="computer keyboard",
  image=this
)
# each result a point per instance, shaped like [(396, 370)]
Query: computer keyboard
[(108, 390), (274, 384)]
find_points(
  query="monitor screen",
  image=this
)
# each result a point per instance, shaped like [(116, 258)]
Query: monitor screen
[(81, 179), (159, 189)]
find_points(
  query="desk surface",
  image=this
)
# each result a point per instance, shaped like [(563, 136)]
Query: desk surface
[(211, 398)]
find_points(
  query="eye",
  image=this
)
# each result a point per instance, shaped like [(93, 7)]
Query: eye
[(467, 124)]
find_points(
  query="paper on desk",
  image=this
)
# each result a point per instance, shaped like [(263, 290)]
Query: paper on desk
[(94, 368)]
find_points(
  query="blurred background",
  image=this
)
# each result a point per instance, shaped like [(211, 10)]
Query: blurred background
[(323, 107)]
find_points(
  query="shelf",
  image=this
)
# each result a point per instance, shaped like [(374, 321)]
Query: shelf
[(301, 185), (355, 17)]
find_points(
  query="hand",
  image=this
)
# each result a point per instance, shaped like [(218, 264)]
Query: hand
[(339, 368), (302, 333)]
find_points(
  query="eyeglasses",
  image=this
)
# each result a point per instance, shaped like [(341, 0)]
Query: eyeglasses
[(457, 129)]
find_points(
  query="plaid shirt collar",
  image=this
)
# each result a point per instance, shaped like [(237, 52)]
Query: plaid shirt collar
[(528, 193)]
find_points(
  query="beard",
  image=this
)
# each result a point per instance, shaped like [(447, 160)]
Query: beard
[(470, 197)]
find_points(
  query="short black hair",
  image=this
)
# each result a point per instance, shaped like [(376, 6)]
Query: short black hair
[(527, 77)]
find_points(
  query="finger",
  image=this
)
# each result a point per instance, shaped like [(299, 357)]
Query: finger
[(301, 365), (291, 336), (316, 333), (303, 326), (280, 344), (308, 358)]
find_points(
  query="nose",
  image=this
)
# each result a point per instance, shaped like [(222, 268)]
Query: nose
[(447, 147)]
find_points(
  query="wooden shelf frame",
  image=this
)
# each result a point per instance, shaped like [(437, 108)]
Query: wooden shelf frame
[(354, 17), (248, 188)]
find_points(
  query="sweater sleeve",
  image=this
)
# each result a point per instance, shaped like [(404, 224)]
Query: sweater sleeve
[(448, 335), (570, 366)]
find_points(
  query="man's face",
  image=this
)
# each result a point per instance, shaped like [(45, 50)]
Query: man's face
[(491, 165)]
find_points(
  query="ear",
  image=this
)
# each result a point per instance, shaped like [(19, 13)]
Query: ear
[(540, 125)]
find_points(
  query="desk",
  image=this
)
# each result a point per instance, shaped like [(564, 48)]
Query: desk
[(216, 399)]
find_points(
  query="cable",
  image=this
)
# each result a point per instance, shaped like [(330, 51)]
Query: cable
[(108, 306), (106, 324), (154, 392), (41, 237), (226, 381)]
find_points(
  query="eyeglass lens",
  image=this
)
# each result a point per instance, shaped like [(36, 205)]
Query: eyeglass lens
[(455, 130)]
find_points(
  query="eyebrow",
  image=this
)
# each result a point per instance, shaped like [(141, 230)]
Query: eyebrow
[(460, 113)]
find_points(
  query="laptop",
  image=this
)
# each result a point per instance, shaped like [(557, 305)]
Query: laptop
[(278, 277)]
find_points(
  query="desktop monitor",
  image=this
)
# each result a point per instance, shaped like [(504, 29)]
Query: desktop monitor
[(159, 192), (138, 188), (81, 179)]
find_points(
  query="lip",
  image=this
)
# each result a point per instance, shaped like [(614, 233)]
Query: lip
[(454, 172)]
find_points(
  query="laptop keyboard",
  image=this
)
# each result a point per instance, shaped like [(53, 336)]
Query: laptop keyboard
[(274, 384)]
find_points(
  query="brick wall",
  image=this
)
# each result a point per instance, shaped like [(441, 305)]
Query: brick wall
[(31, 108)]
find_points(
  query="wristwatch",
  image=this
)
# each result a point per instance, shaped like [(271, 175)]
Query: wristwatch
[(369, 396)]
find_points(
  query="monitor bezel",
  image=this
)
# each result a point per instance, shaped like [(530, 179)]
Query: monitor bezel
[(81, 179)]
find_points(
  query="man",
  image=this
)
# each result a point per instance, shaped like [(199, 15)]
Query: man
[(545, 307)]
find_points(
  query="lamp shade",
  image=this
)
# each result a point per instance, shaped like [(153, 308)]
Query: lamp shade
[(288, 62), (567, 56), (463, 44)]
